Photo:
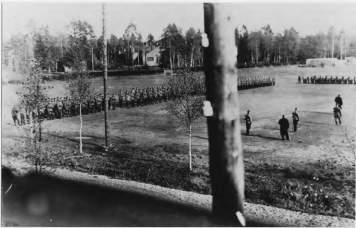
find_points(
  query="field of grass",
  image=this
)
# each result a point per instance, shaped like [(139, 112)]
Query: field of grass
[(314, 172)]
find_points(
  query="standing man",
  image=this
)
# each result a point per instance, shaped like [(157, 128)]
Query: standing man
[(338, 101), (337, 115), (283, 127), (295, 118), (14, 115), (248, 122)]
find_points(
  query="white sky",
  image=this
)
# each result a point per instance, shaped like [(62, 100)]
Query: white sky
[(306, 18)]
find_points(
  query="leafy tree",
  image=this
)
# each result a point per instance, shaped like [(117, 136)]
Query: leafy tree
[(187, 107), (174, 43), (150, 41), (254, 46), (33, 98), (79, 44), (134, 44), (243, 47), (80, 89), (267, 42)]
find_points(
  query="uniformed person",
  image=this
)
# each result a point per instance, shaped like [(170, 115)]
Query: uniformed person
[(14, 113), (338, 101), (283, 127), (295, 118), (248, 122), (337, 115)]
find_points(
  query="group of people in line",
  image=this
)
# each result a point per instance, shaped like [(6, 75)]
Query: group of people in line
[(60, 107), (284, 123), (251, 83), (326, 80)]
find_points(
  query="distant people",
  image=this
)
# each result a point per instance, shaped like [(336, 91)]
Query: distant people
[(283, 127), (299, 79), (338, 101), (248, 122), (295, 118), (14, 114), (337, 115)]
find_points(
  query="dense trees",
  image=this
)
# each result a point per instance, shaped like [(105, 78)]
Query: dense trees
[(178, 48)]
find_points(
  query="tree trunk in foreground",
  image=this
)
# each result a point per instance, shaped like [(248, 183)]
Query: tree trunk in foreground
[(225, 149)]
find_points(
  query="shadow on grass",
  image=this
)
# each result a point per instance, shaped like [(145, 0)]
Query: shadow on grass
[(263, 136)]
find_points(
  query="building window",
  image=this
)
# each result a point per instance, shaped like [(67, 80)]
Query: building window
[(150, 59)]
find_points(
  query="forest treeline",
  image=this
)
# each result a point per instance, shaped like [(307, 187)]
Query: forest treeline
[(177, 48)]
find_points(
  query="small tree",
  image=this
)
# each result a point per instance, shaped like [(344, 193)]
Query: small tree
[(187, 106), (79, 54), (33, 98), (80, 90)]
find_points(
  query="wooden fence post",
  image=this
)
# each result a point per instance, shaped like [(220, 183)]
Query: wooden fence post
[(225, 148)]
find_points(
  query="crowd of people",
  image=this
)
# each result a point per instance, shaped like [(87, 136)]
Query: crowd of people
[(326, 79), (60, 107), (284, 122)]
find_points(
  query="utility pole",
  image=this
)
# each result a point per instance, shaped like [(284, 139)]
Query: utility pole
[(105, 81), (225, 148)]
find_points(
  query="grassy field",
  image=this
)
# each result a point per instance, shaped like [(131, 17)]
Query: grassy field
[(313, 172)]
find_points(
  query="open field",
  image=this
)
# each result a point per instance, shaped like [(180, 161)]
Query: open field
[(313, 172)]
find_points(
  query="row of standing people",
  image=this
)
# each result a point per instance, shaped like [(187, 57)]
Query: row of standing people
[(326, 80), (60, 107), (255, 83)]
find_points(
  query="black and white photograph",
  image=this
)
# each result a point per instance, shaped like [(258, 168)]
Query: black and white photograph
[(178, 113)]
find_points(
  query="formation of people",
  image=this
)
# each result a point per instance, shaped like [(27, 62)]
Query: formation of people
[(61, 107), (284, 122), (326, 79), (255, 82)]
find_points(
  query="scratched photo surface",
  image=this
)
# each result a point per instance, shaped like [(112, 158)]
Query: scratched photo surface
[(108, 112)]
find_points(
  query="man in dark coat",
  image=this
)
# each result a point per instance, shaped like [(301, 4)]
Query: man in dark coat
[(14, 113), (248, 122), (284, 126), (338, 101)]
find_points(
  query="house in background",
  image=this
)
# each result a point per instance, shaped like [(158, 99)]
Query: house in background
[(350, 60), (320, 62), (153, 57)]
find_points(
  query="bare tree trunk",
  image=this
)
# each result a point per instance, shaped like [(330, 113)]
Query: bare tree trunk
[(170, 54), (105, 80), (225, 147), (256, 54), (92, 59), (190, 147), (80, 129), (332, 45)]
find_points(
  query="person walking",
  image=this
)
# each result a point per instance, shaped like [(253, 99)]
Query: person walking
[(338, 101), (295, 118), (248, 121), (283, 127)]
